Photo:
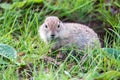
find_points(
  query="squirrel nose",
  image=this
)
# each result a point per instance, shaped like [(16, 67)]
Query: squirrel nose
[(52, 35)]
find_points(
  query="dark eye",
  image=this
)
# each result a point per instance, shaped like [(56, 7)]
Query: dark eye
[(58, 25), (46, 26)]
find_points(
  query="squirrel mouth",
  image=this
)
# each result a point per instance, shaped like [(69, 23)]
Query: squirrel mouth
[(52, 40)]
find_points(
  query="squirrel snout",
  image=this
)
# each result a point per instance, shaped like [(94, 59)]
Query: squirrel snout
[(52, 35)]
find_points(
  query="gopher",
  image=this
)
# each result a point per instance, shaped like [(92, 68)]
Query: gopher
[(67, 34)]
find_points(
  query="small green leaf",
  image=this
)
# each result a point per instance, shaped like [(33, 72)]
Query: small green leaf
[(109, 75), (112, 52), (6, 6), (91, 75), (21, 4), (18, 4), (24, 3), (7, 51)]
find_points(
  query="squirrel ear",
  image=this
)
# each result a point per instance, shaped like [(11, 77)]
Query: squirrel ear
[(60, 21)]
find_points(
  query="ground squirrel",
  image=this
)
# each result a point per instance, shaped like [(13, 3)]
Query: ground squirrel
[(65, 34)]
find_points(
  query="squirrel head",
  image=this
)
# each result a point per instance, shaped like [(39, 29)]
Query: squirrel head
[(52, 27)]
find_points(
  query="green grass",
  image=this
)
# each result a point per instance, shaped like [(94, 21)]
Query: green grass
[(19, 29)]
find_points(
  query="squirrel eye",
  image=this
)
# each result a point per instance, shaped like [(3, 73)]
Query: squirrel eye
[(46, 26), (58, 25)]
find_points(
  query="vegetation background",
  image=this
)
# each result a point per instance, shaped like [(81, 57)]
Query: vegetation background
[(19, 23)]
